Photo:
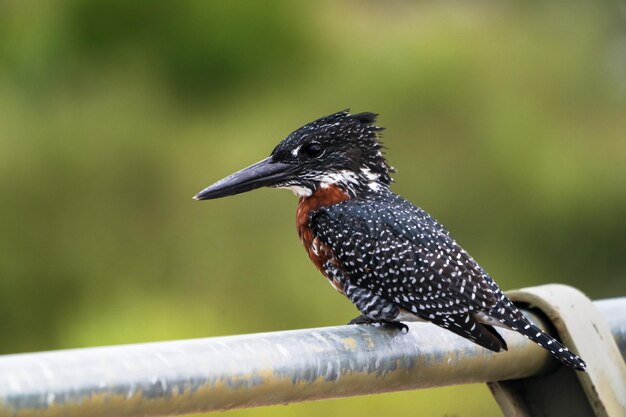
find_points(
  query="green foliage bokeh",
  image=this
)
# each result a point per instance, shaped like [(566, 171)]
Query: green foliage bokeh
[(507, 121)]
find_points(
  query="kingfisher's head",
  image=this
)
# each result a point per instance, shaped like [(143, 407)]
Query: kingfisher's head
[(342, 149)]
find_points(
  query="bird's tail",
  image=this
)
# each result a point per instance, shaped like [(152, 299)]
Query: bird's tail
[(523, 326)]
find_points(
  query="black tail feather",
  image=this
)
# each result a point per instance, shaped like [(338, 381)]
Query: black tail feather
[(556, 348), (514, 319), (465, 325)]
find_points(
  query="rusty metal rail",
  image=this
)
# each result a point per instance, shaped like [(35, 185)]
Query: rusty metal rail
[(179, 377)]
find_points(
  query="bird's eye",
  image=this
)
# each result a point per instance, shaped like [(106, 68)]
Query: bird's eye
[(312, 150)]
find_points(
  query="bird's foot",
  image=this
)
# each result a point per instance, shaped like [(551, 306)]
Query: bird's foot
[(361, 320), (398, 325), (379, 323)]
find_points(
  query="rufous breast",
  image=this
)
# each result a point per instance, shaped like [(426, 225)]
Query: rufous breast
[(319, 252)]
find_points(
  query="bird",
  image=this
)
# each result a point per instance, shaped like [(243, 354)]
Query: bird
[(390, 258)]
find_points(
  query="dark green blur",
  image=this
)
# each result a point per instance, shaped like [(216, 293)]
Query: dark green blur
[(506, 121)]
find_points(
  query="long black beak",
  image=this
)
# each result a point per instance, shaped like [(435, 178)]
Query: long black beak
[(264, 173)]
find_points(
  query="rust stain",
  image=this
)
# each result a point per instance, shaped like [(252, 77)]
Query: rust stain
[(349, 343), (211, 396)]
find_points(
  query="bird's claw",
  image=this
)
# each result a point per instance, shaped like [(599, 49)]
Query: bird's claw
[(397, 325), (392, 324), (361, 320)]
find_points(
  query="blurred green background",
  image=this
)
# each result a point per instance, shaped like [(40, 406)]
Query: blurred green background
[(506, 120)]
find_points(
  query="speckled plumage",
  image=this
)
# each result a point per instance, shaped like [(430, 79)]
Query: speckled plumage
[(389, 257), (398, 252)]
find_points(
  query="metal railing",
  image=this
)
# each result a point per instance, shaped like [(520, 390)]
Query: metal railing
[(221, 373)]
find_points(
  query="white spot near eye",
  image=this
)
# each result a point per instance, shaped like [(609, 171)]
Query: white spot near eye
[(296, 150)]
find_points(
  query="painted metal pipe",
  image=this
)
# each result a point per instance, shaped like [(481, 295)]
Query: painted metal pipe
[(220, 373), (614, 312)]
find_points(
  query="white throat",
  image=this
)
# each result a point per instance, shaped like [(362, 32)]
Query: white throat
[(298, 190)]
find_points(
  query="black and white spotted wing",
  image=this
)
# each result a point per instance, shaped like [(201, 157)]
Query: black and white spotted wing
[(398, 252)]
